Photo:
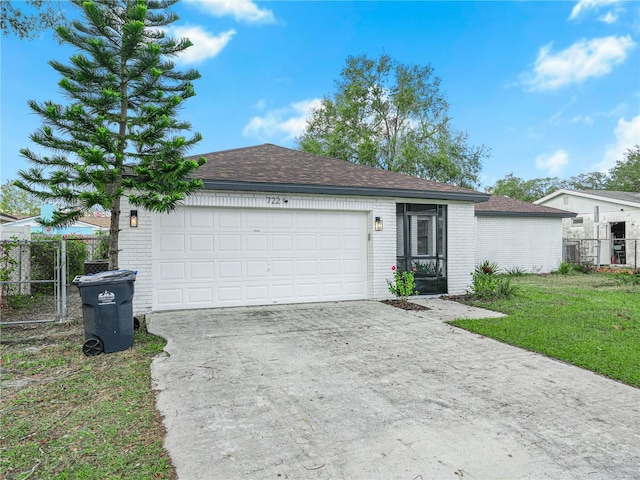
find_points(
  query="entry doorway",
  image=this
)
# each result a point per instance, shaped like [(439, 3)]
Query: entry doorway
[(421, 245), (618, 242)]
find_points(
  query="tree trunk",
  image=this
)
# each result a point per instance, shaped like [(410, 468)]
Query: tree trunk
[(114, 231)]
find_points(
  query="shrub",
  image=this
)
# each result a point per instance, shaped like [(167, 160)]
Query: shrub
[(486, 284), (403, 284), (488, 267), (515, 272)]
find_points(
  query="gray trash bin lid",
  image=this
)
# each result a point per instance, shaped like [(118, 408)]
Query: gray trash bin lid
[(111, 276)]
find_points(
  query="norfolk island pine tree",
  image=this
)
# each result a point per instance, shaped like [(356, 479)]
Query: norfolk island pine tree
[(119, 136)]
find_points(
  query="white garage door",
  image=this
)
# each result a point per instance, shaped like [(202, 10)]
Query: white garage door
[(204, 257)]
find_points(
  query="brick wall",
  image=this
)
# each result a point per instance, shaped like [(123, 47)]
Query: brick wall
[(533, 244), (461, 246)]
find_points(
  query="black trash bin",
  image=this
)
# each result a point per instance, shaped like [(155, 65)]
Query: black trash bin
[(107, 310)]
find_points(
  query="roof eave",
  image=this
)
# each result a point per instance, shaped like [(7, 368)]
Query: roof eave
[(526, 214), (340, 190)]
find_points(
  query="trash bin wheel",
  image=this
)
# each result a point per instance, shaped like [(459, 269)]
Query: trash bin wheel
[(136, 323), (92, 347)]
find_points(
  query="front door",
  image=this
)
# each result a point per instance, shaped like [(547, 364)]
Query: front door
[(422, 246)]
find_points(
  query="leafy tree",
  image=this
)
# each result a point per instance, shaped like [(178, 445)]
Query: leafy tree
[(625, 175), (119, 136), (392, 116), (587, 181), (27, 19), (14, 201), (527, 190)]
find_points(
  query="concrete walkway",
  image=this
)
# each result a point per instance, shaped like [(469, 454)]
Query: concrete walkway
[(362, 390)]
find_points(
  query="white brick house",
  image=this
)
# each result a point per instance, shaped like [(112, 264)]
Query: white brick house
[(275, 225)]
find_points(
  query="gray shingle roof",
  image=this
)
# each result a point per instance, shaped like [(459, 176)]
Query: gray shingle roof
[(277, 169), (505, 206), (613, 195)]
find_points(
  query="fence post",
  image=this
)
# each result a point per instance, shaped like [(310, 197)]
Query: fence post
[(63, 280)]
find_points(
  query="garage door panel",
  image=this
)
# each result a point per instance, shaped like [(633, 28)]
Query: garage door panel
[(169, 297), (306, 267), (200, 219), (331, 289), (282, 221), (257, 293), (329, 267), (256, 243), (282, 268), (229, 243), (228, 220), (230, 293), (330, 242), (172, 243), (308, 291), (283, 291), (201, 243), (254, 257), (200, 295), (306, 243), (350, 267), (172, 271), (201, 270), (174, 220), (230, 270), (351, 242), (281, 243), (354, 288), (256, 219), (257, 269)]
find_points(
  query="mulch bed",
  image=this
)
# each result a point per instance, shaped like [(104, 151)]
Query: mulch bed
[(405, 305)]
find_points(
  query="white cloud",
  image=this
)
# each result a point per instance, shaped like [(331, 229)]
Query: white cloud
[(205, 45), (583, 6), (285, 123), (627, 135), (241, 10), (552, 163), (586, 119), (582, 60), (609, 17)]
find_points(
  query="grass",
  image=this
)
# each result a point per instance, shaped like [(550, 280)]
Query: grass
[(591, 321), (64, 415)]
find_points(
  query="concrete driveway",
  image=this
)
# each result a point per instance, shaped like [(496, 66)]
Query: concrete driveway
[(362, 390)]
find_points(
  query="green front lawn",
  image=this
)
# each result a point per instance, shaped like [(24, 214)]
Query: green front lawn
[(67, 416), (587, 320)]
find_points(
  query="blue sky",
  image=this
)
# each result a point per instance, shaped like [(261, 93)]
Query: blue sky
[(551, 87)]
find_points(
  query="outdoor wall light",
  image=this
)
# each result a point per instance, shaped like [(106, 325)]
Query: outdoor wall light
[(133, 218), (378, 224)]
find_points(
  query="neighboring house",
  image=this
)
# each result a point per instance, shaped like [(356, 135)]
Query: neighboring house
[(4, 218), (606, 229), (274, 225), (85, 226), (519, 235)]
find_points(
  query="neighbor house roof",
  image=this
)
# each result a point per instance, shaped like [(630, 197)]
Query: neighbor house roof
[(102, 222), (270, 168), (629, 198), (498, 206)]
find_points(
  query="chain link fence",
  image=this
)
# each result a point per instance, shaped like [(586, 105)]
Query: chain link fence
[(36, 275), (623, 252)]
